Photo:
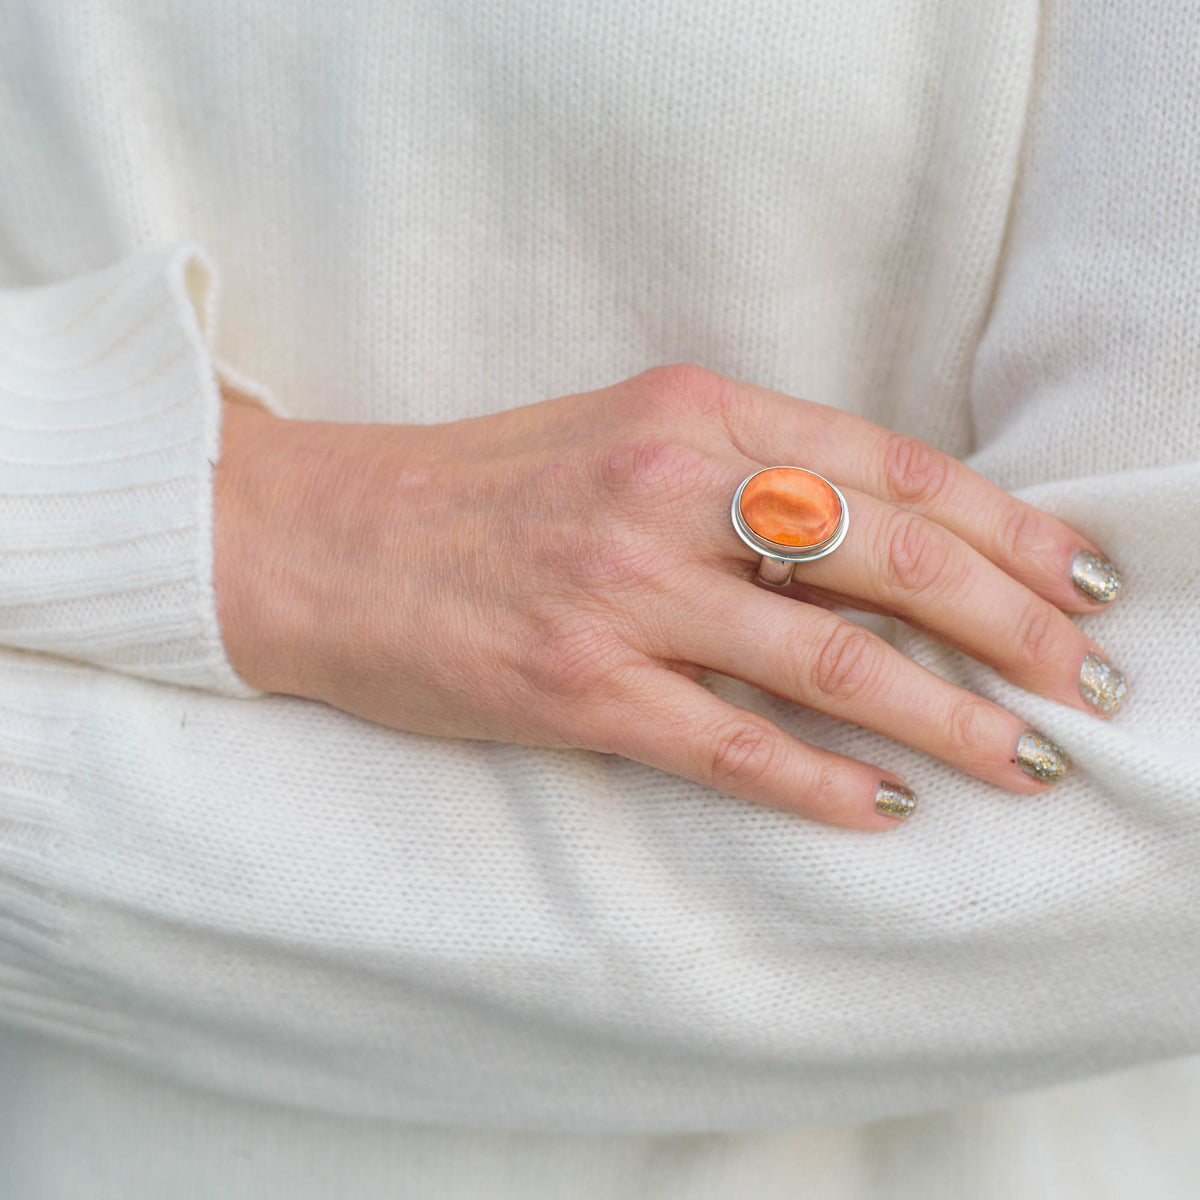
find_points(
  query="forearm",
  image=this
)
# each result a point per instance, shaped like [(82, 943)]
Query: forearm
[(666, 957)]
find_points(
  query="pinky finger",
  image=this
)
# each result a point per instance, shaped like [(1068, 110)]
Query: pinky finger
[(669, 722)]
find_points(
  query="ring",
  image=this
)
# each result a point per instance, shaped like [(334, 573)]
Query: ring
[(788, 515)]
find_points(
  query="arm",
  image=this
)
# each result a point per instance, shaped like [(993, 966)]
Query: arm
[(618, 949), (385, 924)]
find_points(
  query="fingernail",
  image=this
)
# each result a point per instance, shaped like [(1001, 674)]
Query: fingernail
[(1095, 576), (895, 800), (1101, 684), (1038, 756)]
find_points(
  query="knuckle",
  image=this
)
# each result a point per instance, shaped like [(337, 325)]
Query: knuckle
[(1037, 633), (682, 387), (918, 555), (914, 472), (968, 728), (619, 561), (569, 655), (1024, 535), (652, 466), (739, 755), (849, 662), (824, 792), (633, 462)]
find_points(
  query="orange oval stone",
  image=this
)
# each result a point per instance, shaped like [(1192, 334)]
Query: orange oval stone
[(790, 507)]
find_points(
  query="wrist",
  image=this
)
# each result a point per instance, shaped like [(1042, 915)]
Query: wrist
[(256, 620), (303, 511)]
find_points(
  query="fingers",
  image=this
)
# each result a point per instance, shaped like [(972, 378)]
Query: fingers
[(825, 662), (915, 568), (1035, 548), (677, 725)]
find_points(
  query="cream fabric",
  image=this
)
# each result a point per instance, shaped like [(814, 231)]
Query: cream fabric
[(972, 223), (76, 1126)]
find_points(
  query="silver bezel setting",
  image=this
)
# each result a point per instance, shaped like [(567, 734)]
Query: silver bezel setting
[(776, 551)]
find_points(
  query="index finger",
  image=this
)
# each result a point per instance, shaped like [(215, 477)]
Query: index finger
[(1042, 552)]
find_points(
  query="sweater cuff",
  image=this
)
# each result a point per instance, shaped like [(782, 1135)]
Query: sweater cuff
[(110, 424)]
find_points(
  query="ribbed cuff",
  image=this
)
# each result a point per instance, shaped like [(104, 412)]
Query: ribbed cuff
[(110, 420)]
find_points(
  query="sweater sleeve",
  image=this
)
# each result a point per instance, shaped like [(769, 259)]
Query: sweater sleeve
[(280, 901), (109, 425)]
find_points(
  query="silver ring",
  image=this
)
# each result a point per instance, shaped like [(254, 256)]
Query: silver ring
[(798, 509)]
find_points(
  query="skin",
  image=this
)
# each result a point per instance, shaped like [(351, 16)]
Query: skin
[(561, 574)]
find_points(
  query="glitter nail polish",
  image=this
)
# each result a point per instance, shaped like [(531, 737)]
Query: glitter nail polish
[(1101, 684), (1094, 576), (895, 800), (1038, 756)]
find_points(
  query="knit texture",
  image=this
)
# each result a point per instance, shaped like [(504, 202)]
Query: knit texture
[(132, 1134), (971, 223), (109, 428)]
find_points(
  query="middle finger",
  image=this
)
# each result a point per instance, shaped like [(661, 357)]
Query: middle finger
[(903, 563)]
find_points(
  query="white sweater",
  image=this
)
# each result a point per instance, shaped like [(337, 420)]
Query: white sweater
[(250, 945)]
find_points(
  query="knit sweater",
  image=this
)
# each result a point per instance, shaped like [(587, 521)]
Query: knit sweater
[(222, 910)]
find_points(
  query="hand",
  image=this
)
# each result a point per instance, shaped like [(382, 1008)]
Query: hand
[(561, 574)]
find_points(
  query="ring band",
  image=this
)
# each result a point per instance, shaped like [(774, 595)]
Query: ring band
[(788, 515)]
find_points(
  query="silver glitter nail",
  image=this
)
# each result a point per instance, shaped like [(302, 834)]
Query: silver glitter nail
[(1038, 756), (1101, 684), (1095, 576), (895, 800)]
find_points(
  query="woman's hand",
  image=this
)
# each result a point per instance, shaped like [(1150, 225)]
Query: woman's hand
[(561, 574)]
